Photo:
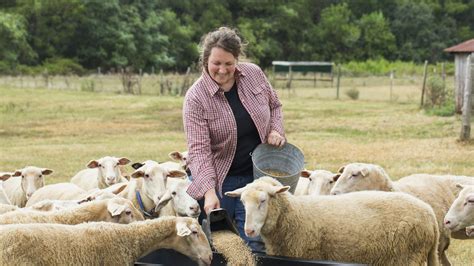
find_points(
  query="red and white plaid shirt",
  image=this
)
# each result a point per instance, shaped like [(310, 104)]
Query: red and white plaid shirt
[(210, 126)]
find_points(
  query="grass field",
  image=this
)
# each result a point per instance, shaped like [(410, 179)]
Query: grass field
[(64, 129)]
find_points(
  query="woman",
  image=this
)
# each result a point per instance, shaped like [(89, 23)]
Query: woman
[(227, 112)]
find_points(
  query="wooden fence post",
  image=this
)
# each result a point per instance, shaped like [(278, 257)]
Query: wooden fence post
[(391, 85), (425, 73), (338, 81), (466, 107)]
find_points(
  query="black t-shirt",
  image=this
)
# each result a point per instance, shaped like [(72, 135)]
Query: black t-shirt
[(247, 136)]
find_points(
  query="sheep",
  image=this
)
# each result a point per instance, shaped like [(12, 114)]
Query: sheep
[(24, 183), (181, 157), (3, 195), (437, 191), (90, 243), (70, 191), (176, 201), (461, 212), (102, 173), (117, 210), (368, 227), (147, 186), (4, 208), (317, 182), (53, 205)]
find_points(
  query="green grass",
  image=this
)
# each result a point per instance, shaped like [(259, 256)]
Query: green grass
[(64, 129)]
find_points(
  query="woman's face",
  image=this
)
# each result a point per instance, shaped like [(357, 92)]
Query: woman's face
[(221, 66)]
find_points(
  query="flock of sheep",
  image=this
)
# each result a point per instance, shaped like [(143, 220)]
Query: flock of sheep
[(81, 221), (99, 217), (450, 198)]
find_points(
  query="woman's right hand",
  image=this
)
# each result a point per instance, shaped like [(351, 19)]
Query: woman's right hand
[(211, 201)]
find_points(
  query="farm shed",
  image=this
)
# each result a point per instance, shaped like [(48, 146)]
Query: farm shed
[(461, 52), (304, 67)]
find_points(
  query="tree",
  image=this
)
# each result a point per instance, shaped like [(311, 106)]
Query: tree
[(14, 47), (376, 40), (337, 32)]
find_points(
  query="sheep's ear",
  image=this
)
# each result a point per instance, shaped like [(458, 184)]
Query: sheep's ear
[(115, 209), (46, 171), (163, 201), (364, 172), (459, 186), (236, 193), (137, 165), (176, 173), (176, 155), (93, 164), (123, 161), (5, 176), (17, 173), (118, 189), (341, 170), (279, 189), (336, 177), (182, 229), (305, 173), (138, 174)]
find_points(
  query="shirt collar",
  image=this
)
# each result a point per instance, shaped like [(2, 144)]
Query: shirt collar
[(212, 86)]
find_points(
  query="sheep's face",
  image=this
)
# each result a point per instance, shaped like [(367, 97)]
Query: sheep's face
[(108, 168), (320, 182), (255, 198), (192, 241), (122, 211), (183, 204), (32, 178), (461, 212), (154, 180), (354, 177), (256, 210)]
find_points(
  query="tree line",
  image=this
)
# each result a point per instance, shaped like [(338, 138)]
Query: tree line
[(81, 35)]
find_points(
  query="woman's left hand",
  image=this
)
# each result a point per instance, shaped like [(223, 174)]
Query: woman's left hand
[(274, 138)]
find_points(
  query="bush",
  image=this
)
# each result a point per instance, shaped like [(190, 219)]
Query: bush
[(353, 93), (435, 92), (63, 66)]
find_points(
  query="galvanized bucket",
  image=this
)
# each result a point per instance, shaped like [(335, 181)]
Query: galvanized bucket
[(282, 163)]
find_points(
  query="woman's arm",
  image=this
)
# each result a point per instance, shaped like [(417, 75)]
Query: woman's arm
[(200, 159)]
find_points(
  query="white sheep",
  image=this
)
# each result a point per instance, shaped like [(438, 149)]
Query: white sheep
[(438, 191), (101, 173), (117, 210), (176, 201), (148, 185), (181, 157), (24, 183), (461, 213), (90, 243), (3, 195), (317, 182), (368, 227), (4, 208), (70, 191)]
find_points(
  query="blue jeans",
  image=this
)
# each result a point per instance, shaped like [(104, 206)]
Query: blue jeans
[(236, 209)]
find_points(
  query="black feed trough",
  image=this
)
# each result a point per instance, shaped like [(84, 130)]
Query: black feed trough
[(171, 257), (218, 219)]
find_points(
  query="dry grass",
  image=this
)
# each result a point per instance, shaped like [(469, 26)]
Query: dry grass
[(64, 129)]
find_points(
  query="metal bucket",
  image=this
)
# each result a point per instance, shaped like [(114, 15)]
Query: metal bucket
[(282, 163)]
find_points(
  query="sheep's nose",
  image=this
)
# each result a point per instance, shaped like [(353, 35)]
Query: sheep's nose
[(335, 193), (110, 178), (446, 222), (249, 232)]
